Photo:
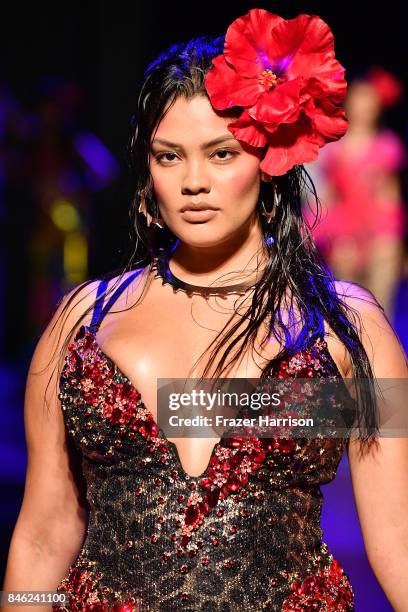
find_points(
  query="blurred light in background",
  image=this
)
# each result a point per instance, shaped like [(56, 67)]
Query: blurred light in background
[(64, 215), (99, 159), (75, 258)]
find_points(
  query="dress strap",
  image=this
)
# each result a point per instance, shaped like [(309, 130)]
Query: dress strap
[(99, 310), (96, 315)]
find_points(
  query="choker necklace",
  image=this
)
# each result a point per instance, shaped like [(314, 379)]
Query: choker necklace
[(161, 265)]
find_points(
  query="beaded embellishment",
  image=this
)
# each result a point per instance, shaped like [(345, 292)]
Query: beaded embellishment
[(244, 533)]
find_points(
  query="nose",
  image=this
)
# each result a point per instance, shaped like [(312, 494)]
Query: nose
[(196, 178)]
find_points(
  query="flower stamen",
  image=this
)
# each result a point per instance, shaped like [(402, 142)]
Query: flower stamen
[(268, 79)]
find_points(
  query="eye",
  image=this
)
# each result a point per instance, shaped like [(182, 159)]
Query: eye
[(228, 151), (222, 153), (160, 156)]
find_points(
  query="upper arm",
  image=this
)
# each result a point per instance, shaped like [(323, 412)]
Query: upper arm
[(53, 512), (380, 476)]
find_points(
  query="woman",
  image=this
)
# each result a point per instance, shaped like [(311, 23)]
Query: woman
[(361, 234), (207, 523)]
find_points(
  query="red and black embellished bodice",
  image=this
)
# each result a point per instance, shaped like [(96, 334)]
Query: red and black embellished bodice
[(245, 535)]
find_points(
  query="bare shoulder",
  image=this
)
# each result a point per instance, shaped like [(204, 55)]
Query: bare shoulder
[(79, 301), (134, 282), (379, 338), (74, 309), (355, 294)]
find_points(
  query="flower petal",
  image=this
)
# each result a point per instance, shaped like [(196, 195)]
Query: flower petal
[(290, 145), (331, 80), (227, 89), (247, 40), (316, 45), (330, 122), (314, 57), (247, 129), (280, 105), (284, 44)]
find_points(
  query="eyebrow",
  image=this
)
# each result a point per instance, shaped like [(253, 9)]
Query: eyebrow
[(206, 145)]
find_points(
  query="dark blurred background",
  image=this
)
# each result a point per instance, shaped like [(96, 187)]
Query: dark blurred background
[(69, 76)]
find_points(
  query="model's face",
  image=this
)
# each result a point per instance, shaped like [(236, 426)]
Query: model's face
[(187, 169), (362, 104)]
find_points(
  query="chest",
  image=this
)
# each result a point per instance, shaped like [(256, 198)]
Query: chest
[(172, 336)]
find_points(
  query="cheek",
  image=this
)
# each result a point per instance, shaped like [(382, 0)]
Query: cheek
[(236, 183), (243, 180), (164, 183)]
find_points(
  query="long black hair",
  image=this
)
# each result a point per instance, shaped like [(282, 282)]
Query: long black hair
[(294, 263)]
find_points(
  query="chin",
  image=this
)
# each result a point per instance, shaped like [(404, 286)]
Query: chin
[(202, 237)]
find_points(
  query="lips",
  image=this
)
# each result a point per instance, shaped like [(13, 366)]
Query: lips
[(196, 207), (199, 216)]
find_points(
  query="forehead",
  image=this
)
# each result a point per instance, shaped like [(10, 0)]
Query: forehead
[(193, 120)]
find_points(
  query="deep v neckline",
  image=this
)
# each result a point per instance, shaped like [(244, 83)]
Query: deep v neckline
[(161, 434)]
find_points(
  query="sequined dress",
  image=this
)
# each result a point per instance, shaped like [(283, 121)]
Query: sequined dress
[(245, 535)]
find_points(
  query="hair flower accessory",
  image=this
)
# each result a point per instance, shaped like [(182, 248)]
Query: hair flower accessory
[(387, 85), (285, 76)]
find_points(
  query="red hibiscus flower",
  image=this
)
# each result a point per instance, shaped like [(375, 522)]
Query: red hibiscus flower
[(285, 76), (388, 87)]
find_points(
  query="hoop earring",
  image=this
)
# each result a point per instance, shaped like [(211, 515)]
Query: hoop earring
[(276, 198), (268, 214), (276, 201), (143, 209)]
